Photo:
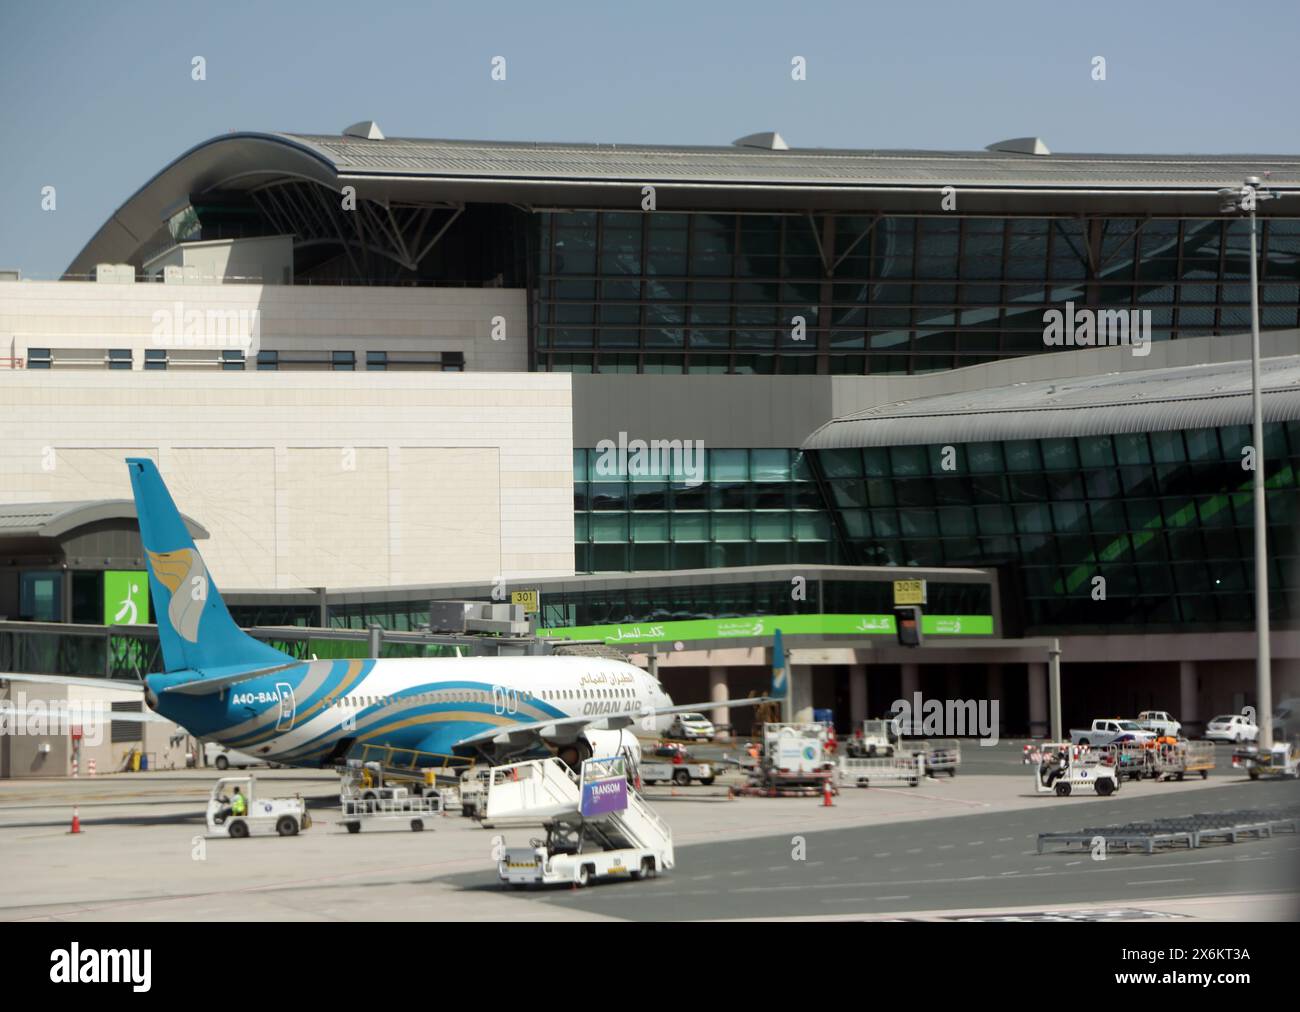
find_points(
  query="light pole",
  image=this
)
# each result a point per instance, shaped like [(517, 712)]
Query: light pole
[(1245, 199)]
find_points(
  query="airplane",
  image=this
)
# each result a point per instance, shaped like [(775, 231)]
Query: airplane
[(223, 685)]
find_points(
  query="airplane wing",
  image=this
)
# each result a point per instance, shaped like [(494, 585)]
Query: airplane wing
[(568, 727)]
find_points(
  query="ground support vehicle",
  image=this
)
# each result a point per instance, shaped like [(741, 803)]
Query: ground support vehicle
[(1065, 767), (473, 791), (942, 755), (876, 738), (263, 816), (367, 802), (882, 771), (1133, 760), (1282, 762), (681, 773), (596, 824), (1176, 760), (794, 762)]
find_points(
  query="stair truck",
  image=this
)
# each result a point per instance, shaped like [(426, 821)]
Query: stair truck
[(596, 824)]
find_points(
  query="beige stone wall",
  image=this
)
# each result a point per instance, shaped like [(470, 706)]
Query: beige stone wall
[(315, 478), (90, 708), (95, 317)]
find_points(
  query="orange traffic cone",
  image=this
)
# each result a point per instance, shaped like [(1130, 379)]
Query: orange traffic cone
[(76, 822), (826, 795)]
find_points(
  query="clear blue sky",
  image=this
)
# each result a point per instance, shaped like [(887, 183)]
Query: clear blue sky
[(97, 97)]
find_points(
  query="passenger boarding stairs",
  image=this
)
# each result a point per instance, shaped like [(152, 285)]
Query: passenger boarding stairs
[(547, 791)]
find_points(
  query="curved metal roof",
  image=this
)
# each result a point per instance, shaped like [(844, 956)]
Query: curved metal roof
[(790, 166), (1187, 397), (542, 174), (54, 519)]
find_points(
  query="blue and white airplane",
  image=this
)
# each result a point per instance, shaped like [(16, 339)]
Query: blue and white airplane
[(223, 685)]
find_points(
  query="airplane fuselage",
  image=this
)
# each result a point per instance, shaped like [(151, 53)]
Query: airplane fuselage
[(315, 713)]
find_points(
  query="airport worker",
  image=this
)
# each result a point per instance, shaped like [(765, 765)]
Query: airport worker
[(223, 813), (1055, 768), (238, 804)]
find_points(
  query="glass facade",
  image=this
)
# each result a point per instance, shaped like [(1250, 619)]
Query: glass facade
[(733, 508), (1164, 517), (723, 293)]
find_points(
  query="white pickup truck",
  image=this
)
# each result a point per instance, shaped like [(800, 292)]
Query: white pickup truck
[(1110, 731), (1159, 721)]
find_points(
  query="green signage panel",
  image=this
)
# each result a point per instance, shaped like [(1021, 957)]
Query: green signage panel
[(765, 625), (126, 597), (957, 625)]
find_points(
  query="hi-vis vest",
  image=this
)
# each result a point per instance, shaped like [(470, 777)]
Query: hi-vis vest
[(239, 806)]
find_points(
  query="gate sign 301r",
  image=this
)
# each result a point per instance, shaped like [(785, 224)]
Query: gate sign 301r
[(909, 592)]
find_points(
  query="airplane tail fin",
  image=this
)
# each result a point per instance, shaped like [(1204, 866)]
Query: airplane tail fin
[(194, 627), (780, 672)]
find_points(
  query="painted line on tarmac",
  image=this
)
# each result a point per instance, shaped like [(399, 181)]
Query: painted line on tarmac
[(1158, 881), (1097, 868), (901, 792)]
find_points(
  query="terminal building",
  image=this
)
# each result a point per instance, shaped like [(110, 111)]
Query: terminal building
[(381, 372)]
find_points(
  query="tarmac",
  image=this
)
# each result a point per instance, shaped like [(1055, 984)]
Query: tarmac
[(953, 848)]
